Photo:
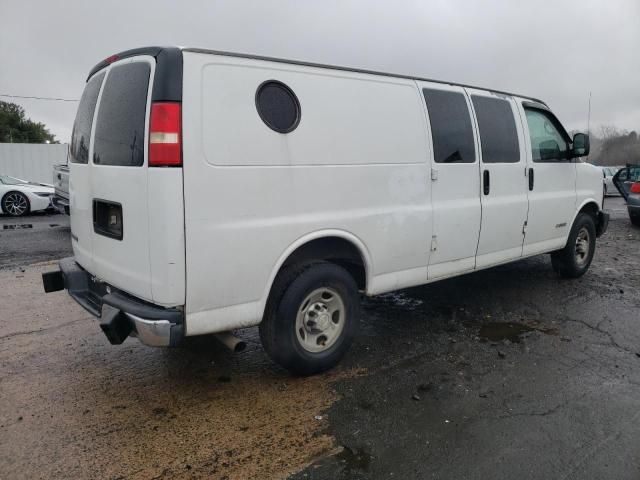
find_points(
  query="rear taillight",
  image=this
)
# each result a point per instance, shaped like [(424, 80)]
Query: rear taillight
[(635, 187), (165, 135)]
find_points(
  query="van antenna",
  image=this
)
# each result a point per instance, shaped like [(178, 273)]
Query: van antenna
[(589, 117)]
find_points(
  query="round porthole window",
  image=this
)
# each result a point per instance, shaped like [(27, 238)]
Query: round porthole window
[(278, 106)]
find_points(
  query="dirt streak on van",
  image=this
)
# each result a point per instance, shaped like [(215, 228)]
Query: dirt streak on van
[(211, 191)]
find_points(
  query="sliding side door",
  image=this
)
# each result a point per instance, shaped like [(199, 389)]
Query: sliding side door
[(455, 180), (503, 176)]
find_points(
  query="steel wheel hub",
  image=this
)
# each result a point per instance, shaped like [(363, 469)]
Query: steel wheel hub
[(582, 246), (320, 320)]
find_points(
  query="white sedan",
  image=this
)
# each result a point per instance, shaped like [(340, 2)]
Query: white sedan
[(19, 197), (609, 187)]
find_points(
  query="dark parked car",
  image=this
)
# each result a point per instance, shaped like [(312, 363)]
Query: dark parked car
[(627, 181)]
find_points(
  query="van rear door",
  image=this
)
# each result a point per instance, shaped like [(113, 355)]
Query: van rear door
[(117, 202), (118, 179)]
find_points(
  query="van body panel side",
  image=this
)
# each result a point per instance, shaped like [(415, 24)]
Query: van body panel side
[(357, 163), (589, 185)]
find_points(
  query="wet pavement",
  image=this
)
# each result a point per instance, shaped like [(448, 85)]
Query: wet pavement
[(502, 374), (33, 238), (505, 373)]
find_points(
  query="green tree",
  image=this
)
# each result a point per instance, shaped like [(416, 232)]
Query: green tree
[(15, 127)]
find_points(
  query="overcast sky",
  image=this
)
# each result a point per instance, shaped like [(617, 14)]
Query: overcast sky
[(558, 51)]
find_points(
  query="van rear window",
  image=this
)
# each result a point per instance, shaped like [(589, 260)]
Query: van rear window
[(79, 149), (120, 126)]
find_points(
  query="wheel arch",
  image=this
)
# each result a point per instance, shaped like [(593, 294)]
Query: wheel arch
[(339, 246), (589, 206)]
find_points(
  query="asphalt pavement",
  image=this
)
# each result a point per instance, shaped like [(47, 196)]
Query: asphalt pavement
[(505, 373), (35, 238)]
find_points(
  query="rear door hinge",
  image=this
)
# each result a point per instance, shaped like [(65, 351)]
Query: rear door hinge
[(524, 228), (434, 174), (434, 243)]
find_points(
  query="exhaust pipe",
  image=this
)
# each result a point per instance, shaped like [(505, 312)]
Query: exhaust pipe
[(230, 341)]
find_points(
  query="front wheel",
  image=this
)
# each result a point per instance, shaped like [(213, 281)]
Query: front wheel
[(15, 204), (311, 318), (574, 259)]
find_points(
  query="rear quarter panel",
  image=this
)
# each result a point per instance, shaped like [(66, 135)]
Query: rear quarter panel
[(356, 164)]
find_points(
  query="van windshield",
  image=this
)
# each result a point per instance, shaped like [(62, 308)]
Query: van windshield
[(120, 125)]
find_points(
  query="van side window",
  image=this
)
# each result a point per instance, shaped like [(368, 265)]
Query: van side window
[(498, 133), (278, 106), (548, 144), (450, 126), (120, 126), (79, 148)]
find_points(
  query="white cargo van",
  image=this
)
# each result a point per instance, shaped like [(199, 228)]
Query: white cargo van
[(211, 191)]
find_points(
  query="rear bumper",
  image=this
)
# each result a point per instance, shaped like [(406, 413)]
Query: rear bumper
[(120, 314), (61, 204), (634, 210), (603, 223)]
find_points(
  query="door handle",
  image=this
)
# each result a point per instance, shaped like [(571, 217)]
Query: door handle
[(530, 179), (486, 182)]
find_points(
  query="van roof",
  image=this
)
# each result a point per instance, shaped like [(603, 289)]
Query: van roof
[(155, 51)]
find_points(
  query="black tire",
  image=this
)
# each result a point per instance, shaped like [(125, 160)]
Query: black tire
[(573, 261), (280, 330), (635, 220), (9, 204)]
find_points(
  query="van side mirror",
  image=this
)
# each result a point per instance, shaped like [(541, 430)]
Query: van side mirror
[(581, 145)]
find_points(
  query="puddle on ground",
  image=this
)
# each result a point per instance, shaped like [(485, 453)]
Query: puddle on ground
[(16, 227), (512, 331), (354, 460), (394, 300)]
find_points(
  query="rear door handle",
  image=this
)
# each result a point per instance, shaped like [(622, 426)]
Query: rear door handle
[(530, 179), (486, 182)]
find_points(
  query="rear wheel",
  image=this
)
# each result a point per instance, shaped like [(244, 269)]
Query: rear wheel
[(15, 204), (574, 259), (312, 317)]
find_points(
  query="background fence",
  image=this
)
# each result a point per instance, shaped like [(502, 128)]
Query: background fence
[(31, 161)]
